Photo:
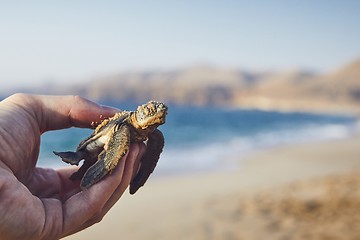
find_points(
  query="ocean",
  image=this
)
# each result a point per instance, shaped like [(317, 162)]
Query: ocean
[(199, 139)]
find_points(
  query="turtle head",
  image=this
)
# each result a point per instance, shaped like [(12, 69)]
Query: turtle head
[(151, 115)]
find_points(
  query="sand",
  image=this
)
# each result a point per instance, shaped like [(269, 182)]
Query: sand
[(307, 191)]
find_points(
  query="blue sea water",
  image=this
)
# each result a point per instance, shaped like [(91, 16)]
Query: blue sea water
[(207, 138)]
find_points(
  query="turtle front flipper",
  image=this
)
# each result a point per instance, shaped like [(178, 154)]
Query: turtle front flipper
[(155, 144), (70, 157), (114, 150)]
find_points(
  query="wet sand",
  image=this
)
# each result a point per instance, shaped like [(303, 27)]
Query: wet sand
[(307, 191)]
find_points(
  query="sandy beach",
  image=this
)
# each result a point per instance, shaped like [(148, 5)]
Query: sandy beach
[(304, 191)]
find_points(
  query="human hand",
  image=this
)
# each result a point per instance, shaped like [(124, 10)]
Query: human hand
[(37, 203)]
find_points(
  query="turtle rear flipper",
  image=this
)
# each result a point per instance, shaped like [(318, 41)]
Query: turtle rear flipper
[(148, 163), (88, 162), (114, 150)]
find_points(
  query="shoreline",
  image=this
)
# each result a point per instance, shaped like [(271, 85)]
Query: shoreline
[(179, 207)]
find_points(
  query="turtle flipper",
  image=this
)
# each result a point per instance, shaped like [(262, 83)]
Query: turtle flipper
[(148, 163), (114, 149), (70, 157)]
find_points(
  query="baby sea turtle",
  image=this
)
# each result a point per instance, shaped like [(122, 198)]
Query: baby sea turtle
[(110, 141)]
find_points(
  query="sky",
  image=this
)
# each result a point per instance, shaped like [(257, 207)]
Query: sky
[(67, 41)]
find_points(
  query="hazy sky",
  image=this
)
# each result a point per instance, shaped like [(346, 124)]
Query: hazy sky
[(76, 40)]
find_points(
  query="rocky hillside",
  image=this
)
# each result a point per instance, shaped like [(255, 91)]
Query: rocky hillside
[(337, 90)]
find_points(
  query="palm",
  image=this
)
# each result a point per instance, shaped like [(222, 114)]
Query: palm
[(43, 201)]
